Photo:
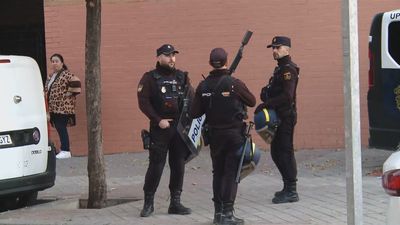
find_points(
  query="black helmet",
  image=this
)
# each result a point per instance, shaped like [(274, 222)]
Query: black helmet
[(266, 122), (251, 158)]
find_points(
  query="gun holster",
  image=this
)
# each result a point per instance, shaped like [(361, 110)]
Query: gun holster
[(146, 139), (205, 132)]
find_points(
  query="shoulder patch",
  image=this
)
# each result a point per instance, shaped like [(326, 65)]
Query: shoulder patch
[(140, 88), (287, 76)]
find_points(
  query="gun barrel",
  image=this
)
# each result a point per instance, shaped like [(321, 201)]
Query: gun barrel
[(239, 55), (235, 62), (247, 37)]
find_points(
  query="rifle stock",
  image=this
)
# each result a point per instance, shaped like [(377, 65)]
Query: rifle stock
[(239, 54)]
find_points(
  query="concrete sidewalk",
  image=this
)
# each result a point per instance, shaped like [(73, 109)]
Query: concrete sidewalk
[(322, 191)]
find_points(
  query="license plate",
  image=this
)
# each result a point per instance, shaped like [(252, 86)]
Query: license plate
[(5, 140)]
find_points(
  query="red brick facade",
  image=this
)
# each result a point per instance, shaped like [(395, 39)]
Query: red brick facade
[(133, 29)]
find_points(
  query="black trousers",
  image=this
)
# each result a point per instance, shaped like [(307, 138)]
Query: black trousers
[(282, 151), (165, 141), (60, 122), (225, 156)]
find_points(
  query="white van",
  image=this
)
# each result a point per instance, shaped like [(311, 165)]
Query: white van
[(384, 81), (27, 161)]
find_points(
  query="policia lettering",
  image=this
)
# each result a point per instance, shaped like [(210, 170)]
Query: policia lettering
[(160, 97)]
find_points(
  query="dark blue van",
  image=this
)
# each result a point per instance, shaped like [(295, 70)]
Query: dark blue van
[(384, 81)]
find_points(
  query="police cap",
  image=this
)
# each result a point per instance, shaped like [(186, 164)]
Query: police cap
[(279, 41), (166, 49)]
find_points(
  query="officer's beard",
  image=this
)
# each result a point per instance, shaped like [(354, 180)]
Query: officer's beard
[(277, 56), (171, 65), (280, 54), (168, 67)]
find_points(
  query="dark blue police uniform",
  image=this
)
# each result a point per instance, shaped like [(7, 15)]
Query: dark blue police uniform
[(223, 99), (280, 94), (160, 96)]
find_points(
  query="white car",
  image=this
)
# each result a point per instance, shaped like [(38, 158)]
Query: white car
[(391, 184)]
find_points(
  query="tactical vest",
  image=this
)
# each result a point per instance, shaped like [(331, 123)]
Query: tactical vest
[(223, 107), (169, 95)]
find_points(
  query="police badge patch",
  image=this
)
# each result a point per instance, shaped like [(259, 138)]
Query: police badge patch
[(140, 87), (226, 94), (287, 76)]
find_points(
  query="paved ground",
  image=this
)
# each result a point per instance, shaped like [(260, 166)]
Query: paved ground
[(322, 190)]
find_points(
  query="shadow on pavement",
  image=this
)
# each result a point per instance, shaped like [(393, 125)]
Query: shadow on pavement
[(13, 203), (109, 202)]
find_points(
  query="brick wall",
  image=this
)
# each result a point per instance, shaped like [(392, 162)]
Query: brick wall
[(133, 29)]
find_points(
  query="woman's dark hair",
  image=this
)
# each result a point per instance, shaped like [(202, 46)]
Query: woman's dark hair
[(61, 59)]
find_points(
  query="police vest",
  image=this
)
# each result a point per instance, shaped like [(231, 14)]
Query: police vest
[(169, 95), (223, 107)]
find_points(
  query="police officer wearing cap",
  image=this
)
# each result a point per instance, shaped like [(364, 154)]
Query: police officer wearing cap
[(223, 99), (160, 96), (280, 94)]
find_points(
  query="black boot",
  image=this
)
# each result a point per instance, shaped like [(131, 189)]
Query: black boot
[(228, 217), (289, 195), (217, 213), (283, 189), (175, 206), (148, 207)]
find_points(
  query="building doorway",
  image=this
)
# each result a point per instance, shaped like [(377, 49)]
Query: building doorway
[(22, 30)]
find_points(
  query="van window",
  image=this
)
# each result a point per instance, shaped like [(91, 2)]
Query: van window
[(394, 41)]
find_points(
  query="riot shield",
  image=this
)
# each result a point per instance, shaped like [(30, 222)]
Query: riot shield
[(189, 129)]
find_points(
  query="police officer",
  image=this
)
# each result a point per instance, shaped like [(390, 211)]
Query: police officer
[(280, 94), (223, 99), (160, 97)]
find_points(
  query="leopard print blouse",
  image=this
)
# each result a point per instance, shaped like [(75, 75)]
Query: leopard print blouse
[(61, 95)]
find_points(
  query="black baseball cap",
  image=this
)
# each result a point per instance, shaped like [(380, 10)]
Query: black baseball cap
[(166, 49), (218, 57), (279, 41)]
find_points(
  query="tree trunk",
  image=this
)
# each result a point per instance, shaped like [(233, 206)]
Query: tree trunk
[(96, 166)]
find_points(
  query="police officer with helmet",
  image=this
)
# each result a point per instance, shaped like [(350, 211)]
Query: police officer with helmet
[(223, 99), (160, 96), (280, 95)]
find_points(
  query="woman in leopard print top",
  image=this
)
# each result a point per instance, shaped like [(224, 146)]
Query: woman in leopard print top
[(61, 89)]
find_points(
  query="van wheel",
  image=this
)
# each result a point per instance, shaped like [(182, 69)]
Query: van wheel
[(27, 199)]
